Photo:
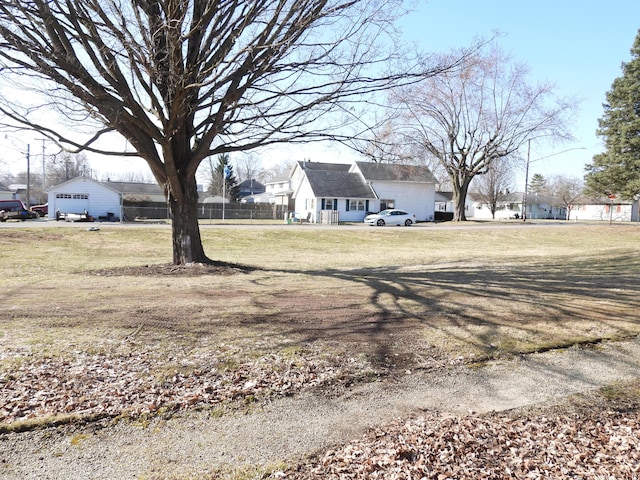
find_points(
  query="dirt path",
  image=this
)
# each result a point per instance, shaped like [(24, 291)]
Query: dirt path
[(291, 428)]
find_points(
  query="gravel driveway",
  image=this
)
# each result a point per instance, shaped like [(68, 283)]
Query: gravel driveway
[(291, 428)]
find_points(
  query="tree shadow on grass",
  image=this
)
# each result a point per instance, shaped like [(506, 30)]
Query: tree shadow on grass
[(493, 310)]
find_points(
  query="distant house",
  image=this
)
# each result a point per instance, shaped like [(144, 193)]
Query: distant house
[(444, 202), (80, 194), (354, 190), (215, 199), (138, 191), (250, 189), (278, 192), (5, 193), (445, 207), (605, 209), (511, 206)]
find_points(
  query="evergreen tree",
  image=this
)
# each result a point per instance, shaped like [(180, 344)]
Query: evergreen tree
[(224, 173), (617, 169), (538, 184)]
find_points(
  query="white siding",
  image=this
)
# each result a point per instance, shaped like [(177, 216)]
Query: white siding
[(99, 202), (304, 199), (619, 213), (416, 198)]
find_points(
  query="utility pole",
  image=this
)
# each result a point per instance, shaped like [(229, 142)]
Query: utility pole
[(28, 176), (43, 170), (526, 184)]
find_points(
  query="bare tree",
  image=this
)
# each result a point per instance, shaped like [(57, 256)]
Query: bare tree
[(278, 170), (494, 186), (129, 177), (184, 80), (566, 190), (65, 166), (249, 167), (473, 117)]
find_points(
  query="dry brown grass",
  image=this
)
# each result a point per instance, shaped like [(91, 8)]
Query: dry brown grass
[(412, 293)]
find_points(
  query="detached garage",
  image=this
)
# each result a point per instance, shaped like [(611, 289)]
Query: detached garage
[(82, 193)]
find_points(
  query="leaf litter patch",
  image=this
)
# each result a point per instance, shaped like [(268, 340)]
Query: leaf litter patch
[(169, 269), (591, 437)]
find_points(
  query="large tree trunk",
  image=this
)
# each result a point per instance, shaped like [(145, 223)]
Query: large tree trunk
[(460, 189), (187, 244)]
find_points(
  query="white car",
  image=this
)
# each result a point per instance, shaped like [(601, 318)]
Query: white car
[(390, 217)]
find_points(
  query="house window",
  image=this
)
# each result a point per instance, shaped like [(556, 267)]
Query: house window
[(385, 204), (356, 205), (310, 204), (329, 204), (74, 196)]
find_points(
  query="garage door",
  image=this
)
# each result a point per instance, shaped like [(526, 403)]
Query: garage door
[(72, 202)]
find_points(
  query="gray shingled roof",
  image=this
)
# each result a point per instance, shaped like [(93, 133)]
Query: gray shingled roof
[(135, 188), (337, 183), (334, 167), (395, 173)]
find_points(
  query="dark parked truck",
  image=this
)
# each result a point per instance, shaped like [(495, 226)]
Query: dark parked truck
[(14, 210), (41, 210)]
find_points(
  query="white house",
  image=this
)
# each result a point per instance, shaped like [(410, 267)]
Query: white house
[(278, 191), (510, 206), (613, 210), (445, 206), (82, 193), (354, 190)]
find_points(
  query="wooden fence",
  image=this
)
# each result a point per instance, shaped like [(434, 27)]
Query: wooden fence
[(210, 211)]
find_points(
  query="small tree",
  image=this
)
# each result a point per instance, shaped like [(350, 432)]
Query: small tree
[(223, 182), (566, 190), (65, 166), (617, 169), (478, 115), (249, 167), (494, 186)]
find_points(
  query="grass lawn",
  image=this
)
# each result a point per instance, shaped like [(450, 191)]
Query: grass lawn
[(360, 302)]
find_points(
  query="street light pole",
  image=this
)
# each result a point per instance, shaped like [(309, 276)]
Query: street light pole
[(526, 184)]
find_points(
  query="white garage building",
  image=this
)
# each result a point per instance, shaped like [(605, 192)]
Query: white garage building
[(82, 193)]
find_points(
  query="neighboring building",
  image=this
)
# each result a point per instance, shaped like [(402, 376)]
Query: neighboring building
[(5, 193), (278, 192), (138, 191), (250, 189), (215, 199), (613, 210), (19, 191), (354, 190), (445, 206), (510, 206), (99, 199), (444, 202)]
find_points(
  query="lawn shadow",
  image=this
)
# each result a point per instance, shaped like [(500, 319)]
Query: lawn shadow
[(491, 309)]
